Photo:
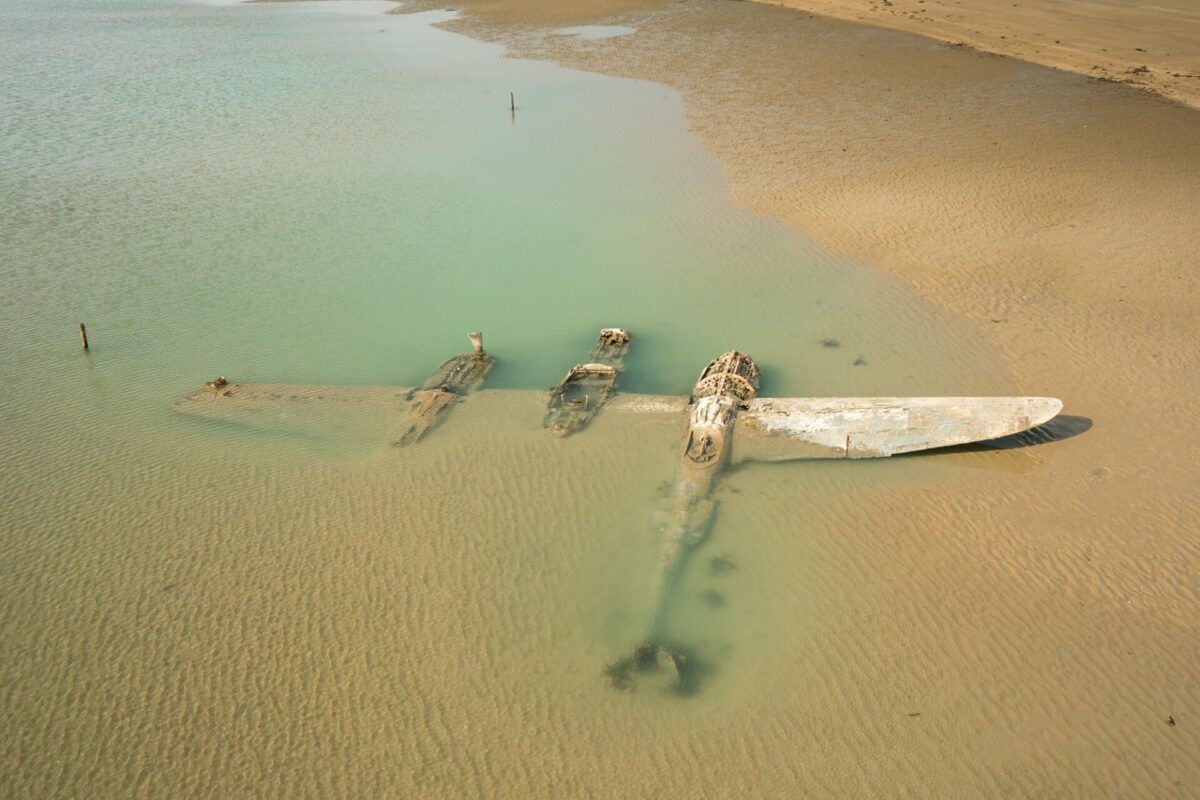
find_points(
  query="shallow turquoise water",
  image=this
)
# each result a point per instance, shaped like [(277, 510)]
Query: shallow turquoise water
[(338, 196), (325, 194)]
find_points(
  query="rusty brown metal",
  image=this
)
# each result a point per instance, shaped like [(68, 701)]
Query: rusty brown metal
[(723, 389), (580, 395), (429, 406)]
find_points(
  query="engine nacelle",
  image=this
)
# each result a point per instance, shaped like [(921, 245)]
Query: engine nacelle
[(733, 374)]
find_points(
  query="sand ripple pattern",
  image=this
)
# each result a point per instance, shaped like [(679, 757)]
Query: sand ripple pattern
[(293, 609)]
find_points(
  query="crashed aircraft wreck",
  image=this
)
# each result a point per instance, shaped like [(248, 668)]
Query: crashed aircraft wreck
[(587, 387), (726, 423)]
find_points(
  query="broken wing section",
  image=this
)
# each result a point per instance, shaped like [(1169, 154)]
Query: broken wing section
[(786, 428), (381, 411), (306, 410), (264, 395)]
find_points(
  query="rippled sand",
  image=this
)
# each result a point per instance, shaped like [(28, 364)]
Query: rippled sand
[(1154, 46), (295, 609), (1045, 602), (291, 616)]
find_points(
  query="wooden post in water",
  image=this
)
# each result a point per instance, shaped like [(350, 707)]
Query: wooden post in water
[(83, 336), (512, 102)]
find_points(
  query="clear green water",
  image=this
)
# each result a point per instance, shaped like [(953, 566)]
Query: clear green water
[(338, 196), (325, 194)]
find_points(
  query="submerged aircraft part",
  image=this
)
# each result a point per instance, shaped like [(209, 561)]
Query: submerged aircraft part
[(723, 389), (587, 387), (782, 429), (453, 380), (726, 423)]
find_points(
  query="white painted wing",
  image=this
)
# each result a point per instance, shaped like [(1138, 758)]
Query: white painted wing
[(785, 428)]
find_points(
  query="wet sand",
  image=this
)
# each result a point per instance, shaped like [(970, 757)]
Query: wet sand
[(1042, 607), (285, 619), (287, 606), (1155, 46)]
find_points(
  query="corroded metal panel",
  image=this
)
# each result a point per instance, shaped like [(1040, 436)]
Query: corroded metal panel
[(587, 387)]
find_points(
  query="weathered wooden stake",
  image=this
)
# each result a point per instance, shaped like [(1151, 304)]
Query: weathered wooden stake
[(512, 102), (83, 335)]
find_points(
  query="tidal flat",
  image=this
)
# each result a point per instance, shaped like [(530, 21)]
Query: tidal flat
[(324, 193)]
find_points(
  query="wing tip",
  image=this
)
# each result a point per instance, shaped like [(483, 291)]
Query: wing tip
[(1043, 409)]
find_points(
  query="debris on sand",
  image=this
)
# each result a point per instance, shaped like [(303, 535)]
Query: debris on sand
[(587, 386), (649, 659)]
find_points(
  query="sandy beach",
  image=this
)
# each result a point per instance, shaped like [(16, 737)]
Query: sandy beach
[(1152, 46), (1058, 214), (278, 602)]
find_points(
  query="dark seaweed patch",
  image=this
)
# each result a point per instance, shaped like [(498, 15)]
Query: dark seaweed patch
[(720, 565), (649, 659)]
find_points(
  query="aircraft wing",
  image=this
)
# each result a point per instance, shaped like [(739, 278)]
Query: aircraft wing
[(376, 410), (263, 395), (786, 428), (298, 397), (308, 410), (770, 429)]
